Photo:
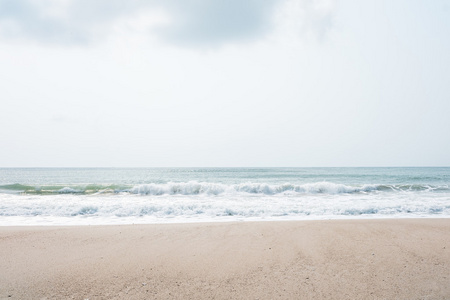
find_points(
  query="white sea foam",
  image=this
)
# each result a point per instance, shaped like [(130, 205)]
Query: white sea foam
[(128, 208), (195, 188), (210, 188), (68, 190)]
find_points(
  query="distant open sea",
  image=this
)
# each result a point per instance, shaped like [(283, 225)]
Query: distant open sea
[(88, 196)]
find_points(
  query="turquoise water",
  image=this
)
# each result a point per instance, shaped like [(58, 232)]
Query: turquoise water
[(158, 195), (130, 177)]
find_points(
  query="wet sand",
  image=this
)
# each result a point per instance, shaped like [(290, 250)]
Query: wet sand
[(339, 259)]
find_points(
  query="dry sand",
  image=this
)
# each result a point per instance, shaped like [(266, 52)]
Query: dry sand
[(342, 259)]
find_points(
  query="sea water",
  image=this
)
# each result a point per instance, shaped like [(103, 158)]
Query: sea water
[(84, 196)]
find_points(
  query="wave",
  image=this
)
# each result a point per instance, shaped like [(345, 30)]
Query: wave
[(195, 188), (209, 188), (60, 189)]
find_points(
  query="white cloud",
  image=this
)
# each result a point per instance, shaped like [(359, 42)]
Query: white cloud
[(79, 21), (191, 23)]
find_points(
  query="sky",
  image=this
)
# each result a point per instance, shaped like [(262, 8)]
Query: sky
[(224, 83)]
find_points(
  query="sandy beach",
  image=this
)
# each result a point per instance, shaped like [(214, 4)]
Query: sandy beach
[(340, 259)]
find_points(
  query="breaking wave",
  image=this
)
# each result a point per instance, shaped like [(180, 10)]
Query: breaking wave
[(194, 188), (209, 188)]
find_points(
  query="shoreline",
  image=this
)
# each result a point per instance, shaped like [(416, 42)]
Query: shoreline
[(402, 258), (237, 221)]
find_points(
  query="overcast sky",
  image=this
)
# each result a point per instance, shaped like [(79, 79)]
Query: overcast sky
[(147, 83)]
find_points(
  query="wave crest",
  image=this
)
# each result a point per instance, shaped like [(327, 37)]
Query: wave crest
[(210, 188), (195, 188)]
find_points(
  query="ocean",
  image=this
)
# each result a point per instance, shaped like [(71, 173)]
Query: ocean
[(91, 196)]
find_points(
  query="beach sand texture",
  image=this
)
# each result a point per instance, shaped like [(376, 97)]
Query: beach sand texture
[(339, 259)]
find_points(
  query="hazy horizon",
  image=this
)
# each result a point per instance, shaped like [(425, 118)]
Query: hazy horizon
[(238, 167)]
